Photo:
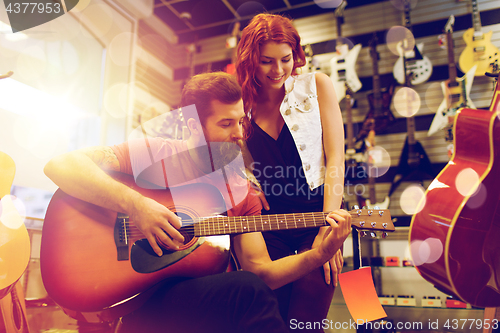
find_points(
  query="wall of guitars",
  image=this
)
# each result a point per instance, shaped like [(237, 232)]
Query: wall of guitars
[(454, 44)]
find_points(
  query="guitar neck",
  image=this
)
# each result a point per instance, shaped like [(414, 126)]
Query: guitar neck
[(377, 94), (476, 18), (410, 129), (452, 67), (241, 224), (372, 195), (349, 125), (378, 220)]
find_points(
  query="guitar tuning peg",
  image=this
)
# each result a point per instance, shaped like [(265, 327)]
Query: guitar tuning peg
[(384, 235), (380, 212), (384, 225), (361, 223), (363, 234), (373, 235), (365, 207), (355, 207), (376, 207), (373, 224), (370, 212)]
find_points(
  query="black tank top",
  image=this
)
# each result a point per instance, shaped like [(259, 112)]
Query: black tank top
[(278, 168)]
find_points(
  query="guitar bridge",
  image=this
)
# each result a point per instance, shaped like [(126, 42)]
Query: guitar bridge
[(121, 237)]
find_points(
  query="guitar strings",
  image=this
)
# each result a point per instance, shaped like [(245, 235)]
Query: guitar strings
[(218, 225)]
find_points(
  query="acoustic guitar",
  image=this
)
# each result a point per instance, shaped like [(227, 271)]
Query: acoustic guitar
[(96, 264), (460, 218), (456, 90), (478, 50), (14, 254), (343, 62)]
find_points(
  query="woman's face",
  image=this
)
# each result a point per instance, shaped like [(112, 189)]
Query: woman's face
[(275, 65)]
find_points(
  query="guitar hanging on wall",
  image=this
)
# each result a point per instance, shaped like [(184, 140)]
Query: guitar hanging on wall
[(456, 90), (343, 63), (95, 261), (380, 115), (478, 50), (460, 220), (413, 60), (413, 161), (355, 160)]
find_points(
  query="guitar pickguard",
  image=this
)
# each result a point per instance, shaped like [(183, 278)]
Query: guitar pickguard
[(145, 260)]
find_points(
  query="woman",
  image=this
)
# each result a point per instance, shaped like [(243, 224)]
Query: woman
[(297, 143)]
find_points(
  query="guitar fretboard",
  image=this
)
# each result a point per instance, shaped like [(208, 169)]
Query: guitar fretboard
[(239, 224), (476, 19)]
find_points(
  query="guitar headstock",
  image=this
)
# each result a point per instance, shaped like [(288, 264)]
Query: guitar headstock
[(339, 11), (449, 25), (372, 221)]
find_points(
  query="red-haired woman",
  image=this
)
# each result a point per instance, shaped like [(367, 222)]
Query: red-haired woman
[(297, 143)]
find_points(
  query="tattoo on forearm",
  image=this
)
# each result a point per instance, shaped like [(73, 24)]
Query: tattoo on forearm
[(104, 157)]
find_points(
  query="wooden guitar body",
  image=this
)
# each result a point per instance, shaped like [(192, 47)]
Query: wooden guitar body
[(89, 267), (14, 254), (97, 265), (480, 52), (462, 211), (380, 109)]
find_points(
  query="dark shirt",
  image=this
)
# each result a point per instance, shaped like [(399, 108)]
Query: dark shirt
[(278, 168)]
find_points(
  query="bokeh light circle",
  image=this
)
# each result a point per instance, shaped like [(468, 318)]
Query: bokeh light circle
[(427, 251), (379, 161), (328, 3), (412, 199), (12, 212), (399, 39), (407, 102)]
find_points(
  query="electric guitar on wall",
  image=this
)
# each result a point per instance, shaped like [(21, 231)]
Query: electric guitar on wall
[(478, 50), (355, 165), (96, 264), (460, 220), (456, 90), (14, 254), (371, 202), (342, 64), (413, 160), (412, 61), (380, 115)]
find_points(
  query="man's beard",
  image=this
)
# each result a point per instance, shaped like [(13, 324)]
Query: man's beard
[(225, 155)]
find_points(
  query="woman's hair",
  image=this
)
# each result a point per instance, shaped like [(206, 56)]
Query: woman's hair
[(261, 29)]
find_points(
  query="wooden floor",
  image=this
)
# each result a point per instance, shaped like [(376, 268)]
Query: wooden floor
[(49, 319)]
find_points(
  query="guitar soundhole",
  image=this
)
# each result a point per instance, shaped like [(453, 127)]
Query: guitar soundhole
[(187, 230)]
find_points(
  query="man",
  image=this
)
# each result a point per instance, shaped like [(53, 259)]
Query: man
[(227, 302)]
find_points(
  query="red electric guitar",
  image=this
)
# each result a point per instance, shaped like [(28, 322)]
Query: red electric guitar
[(97, 265), (459, 225)]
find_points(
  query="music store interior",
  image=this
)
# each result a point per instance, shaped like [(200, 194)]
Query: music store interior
[(421, 73)]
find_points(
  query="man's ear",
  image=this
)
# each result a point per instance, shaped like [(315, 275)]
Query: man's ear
[(194, 127)]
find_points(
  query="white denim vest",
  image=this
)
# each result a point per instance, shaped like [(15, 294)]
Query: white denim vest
[(300, 110)]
